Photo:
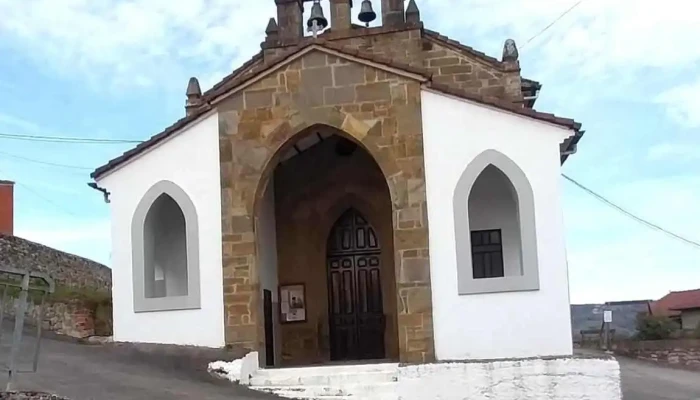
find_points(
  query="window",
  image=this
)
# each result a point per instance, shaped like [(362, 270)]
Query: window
[(494, 222), (487, 254), (165, 250)]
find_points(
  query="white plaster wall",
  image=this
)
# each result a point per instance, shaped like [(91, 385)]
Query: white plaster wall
[(267, 246), (190, 160), (494, 325), (690, 319), (267, 251), (492, 206)]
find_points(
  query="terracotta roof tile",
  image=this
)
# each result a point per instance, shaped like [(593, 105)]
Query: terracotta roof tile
[(674, 302), (258, 64), (506, 105)]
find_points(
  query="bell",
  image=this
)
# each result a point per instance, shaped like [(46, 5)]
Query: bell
[(317, 16), (367, 14)]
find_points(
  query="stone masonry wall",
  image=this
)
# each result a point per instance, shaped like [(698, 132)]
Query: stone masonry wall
[(380, 111), (312, 190), (71, 318), (447, 65), (66, 269), (681, 353), (68, 317)]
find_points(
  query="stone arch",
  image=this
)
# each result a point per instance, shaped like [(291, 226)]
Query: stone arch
[(525, 207), (252, 141), (368, 136)]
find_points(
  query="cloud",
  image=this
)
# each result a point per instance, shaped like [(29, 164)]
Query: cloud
[(86, 238), (612, 257), (601, 48), (134, 43), (16, 122), (683, 103), (674, 151)]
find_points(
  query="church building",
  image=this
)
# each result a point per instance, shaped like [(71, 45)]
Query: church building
[(353, 193)]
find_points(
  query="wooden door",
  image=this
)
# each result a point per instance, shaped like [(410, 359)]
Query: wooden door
[(356, 312)]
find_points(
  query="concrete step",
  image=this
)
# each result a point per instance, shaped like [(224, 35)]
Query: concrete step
[(331, 376), (354, 391), (332, 380)]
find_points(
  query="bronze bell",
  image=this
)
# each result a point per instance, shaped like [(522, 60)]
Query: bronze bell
[(317, 15), (367, 14)]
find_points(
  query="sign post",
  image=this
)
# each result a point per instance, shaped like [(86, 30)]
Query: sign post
[(607, 319)]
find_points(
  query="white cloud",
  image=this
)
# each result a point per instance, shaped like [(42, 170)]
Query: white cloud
[(137, 42), (16, 122), (86, 238), (674, 151), (683, 103), (612, 257)]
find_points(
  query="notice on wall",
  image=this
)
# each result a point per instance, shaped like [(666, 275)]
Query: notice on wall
[(607, 316), (292, 303)]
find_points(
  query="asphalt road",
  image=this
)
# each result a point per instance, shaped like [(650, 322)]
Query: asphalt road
[(646, 381), (82, 372)]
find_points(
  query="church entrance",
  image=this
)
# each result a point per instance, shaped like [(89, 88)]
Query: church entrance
[(326, 254), (356, 313)]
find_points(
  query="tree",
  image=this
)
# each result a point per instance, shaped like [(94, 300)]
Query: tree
[(650, 327)]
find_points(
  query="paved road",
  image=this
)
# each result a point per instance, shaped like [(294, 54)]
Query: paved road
[(82, 372), (646, 381)]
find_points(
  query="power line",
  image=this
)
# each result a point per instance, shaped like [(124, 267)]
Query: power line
[(546, 28), (45, 162), (46, 199), (66, 139), (629, 214)]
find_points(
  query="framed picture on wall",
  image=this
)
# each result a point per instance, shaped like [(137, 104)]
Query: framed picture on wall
[(293, 303)]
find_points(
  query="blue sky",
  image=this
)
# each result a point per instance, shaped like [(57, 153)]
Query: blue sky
[(626, 69)]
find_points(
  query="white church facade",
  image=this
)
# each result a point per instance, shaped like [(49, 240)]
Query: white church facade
[(379, 193)]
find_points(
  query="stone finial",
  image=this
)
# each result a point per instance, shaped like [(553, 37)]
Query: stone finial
[(194, 95), (412, 12), (272, 28), (510, 51)]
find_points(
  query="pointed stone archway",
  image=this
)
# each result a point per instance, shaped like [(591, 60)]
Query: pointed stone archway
[(251, 142)]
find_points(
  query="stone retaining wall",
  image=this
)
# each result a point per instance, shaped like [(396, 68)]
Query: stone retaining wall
[(683, 353), (73, 318)]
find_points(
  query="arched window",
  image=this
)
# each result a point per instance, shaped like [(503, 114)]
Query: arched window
[(495, 227), (165, 249)]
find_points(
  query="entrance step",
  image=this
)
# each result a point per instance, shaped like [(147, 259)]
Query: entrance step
[(351, 391), (329, 382)]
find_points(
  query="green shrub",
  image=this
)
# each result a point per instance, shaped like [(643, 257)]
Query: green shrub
[(650, 327)]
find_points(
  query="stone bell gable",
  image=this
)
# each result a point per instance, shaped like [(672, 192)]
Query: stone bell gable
[(404, 41), (376, 106)]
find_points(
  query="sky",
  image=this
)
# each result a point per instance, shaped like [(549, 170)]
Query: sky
[(629, 70)]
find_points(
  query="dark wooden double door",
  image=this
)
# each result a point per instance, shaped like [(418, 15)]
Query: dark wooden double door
[(356, 312)]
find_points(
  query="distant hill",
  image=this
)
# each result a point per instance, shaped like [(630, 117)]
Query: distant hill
[(590, 316)]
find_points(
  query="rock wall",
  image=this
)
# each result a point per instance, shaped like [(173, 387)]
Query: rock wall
[(72, 317), (66, 269), (683, 353), (75, 318)]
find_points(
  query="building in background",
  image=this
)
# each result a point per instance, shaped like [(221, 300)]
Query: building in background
[(682, 306)]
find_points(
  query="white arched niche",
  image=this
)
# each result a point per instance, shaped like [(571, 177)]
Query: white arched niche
[(165, 250), (494, 219)]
